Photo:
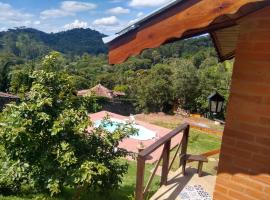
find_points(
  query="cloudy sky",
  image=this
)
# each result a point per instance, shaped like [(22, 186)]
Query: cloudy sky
[(107, 16)]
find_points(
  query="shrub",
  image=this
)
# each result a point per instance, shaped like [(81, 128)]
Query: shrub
[(47, 145)]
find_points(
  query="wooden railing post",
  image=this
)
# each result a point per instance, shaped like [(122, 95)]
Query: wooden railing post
[(140, 178), (166, 161), (183, 161), (143, 153)]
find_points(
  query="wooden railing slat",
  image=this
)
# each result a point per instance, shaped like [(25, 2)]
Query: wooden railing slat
[(152, 175), (175, 155), (184, 150), (163, 140), (165, 164)]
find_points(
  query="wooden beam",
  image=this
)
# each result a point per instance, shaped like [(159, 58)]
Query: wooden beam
[(166, 162), (163, 140), (174, 23), (140, 178)]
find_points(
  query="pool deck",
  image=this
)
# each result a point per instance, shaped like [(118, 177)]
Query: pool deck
[(132, 144)]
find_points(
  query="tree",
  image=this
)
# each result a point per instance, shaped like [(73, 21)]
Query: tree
[(213, 78), (153, 90), (47, 145), (185, 83), (20, 80), (4, 76), (7, 63)]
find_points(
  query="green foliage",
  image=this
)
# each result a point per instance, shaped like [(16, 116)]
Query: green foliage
[(188, 73), (29, 43), (46, 145), (6, 63), (153, 90), (120, 88), (20, 80), (185, 82)]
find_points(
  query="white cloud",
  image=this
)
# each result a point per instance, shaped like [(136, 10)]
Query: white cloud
[(147, 3), (67, 8), (14, 17), (77, 6), (119, 10), (76, 24), (37, 22), (140, 14), (55, 13), (106, 21)]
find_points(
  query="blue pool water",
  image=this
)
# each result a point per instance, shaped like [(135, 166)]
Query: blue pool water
[(143, 133)]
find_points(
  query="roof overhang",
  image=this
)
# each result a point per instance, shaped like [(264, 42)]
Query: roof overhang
[(183, 19)]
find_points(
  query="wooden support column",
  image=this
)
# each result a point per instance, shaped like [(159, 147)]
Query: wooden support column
[(183, 153), (166, 161), (140, 178)]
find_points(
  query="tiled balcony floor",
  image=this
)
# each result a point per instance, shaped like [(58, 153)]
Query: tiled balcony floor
[(177, 182)]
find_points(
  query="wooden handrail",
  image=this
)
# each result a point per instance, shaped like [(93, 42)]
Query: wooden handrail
[(162, 141), (165, 156)]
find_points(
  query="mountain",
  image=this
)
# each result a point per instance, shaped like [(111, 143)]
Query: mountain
[(31, 43)]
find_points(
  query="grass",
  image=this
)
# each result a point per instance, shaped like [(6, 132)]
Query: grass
[(125, 192), (199, 143)]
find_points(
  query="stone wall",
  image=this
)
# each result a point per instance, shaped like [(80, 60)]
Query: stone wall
[(121, 107)]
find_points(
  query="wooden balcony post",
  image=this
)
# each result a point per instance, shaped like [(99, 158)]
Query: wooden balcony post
[(140, 178), (184, 150), (165, 165)]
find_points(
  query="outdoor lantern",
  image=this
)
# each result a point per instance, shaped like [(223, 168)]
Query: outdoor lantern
[(216, 102)]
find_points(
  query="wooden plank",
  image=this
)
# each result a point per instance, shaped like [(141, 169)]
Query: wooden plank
[(163, 140), (152, 176), (211, 153), (140, 178), (175, 155), (165, 164), (183, 160), (177, 21), (199, 158)]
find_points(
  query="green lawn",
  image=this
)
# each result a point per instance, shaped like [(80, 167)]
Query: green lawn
[(125, 192), (199, 142)]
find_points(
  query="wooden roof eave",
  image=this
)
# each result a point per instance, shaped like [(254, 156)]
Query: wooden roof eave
[(185, 19)]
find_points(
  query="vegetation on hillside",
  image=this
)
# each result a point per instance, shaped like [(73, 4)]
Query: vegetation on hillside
[(28, 43), (180, 74)]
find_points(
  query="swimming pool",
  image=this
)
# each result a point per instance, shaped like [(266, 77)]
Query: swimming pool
[(143, 133)]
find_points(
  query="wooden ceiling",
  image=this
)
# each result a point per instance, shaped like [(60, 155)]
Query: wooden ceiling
[(186, 19)]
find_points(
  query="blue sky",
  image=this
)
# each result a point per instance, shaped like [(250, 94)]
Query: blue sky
[(107, 16)]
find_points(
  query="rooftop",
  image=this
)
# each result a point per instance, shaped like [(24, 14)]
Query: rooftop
[(7, 95), (101, 91)]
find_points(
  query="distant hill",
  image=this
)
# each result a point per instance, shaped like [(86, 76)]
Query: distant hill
[(31, 43)]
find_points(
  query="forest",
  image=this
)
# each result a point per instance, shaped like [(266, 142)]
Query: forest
[(183, 73)]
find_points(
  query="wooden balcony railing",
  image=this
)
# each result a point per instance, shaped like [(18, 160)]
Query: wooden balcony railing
[(141, 190)]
